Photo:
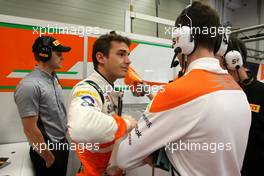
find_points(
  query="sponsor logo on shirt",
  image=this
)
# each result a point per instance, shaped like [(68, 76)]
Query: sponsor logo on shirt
[(148, 123), (82, 93), (138, 133), (87, 101)]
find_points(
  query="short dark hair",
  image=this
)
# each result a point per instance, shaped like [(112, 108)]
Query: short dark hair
[(238, 45), (202, 15), (103, 45)]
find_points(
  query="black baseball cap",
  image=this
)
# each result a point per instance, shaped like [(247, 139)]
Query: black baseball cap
[(49, 41)]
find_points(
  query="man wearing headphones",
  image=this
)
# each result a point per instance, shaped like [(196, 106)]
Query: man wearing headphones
[(202, 118), (236, 64), (40, 103)]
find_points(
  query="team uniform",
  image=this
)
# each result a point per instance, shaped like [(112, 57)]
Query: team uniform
[(200, 110), (92, 119), (254, 157)]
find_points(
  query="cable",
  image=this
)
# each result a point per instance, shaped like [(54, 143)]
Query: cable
[(184, 64), (175, 62)]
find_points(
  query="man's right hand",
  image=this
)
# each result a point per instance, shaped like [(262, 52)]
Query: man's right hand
[(49, 158), (35, 136)]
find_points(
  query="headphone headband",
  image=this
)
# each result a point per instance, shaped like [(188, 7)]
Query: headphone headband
[(46, 41)]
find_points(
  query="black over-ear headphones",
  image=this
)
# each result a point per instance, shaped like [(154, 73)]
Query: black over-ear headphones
[(45, 50)]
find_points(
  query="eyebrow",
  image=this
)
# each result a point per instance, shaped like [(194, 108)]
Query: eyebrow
[(123, 51)]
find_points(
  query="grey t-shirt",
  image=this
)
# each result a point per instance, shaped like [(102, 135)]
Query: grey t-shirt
[(39, 94)]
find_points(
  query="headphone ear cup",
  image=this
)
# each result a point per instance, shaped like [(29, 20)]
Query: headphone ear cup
[(233, 60), (45, 53), (184, 39), (221, 45)]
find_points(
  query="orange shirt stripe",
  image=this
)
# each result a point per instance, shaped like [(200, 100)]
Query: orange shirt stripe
[(193, 85)]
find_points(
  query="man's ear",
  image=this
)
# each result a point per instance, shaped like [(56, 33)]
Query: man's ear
[(100, 57)]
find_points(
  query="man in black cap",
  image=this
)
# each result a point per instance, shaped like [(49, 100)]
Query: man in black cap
[(235, 61), (40, 103)]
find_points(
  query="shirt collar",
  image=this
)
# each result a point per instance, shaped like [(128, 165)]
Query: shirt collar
[(206, 63), (102, 80), (44, 73)]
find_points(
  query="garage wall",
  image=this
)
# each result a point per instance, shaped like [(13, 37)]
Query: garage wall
[(102, 13), (251, 13), (248, 16)]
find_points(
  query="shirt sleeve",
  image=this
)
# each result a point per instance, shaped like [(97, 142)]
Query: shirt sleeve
[(27, 97), (87, 122)]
